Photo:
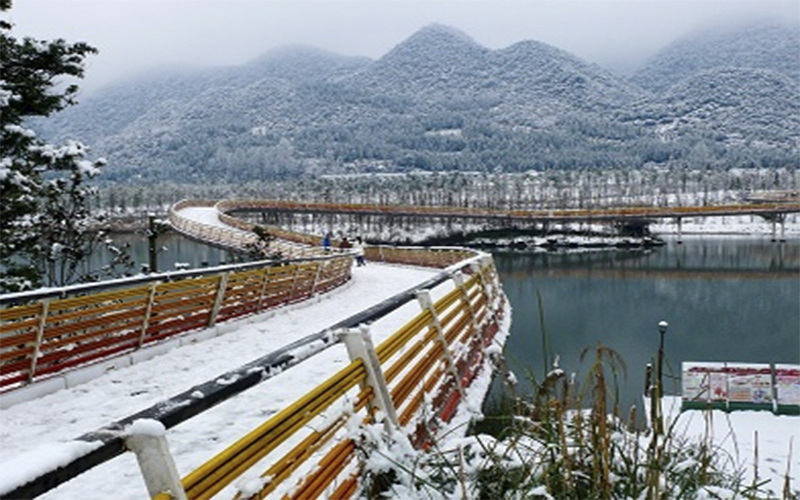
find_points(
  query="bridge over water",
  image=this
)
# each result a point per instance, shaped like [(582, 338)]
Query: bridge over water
[(438, 342), (232, 213)]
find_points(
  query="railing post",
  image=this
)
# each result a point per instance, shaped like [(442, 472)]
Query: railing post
[(424, 298), (359, 345), (39, 338), (294, 282), (148, 442), (148, 311), (490, 286), (223, 283), (458, 278), (316, 277), (263, 289)]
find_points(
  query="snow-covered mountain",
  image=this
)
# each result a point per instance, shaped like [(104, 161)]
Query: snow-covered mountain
[(758, 108), (441, 101), (770, 46)]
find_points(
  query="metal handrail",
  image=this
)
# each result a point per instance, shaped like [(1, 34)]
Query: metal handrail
[(49, 332), (110, 441)]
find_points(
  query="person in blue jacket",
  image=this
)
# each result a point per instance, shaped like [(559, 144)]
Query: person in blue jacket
[(326, 242)]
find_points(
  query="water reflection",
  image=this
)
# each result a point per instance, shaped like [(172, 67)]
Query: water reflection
[(173, 249), (725, 300)]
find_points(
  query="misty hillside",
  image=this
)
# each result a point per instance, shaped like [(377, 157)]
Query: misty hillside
[(774, 47), (440, 101), (754, 107)]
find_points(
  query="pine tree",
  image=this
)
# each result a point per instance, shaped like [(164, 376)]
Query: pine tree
[(44, 217)]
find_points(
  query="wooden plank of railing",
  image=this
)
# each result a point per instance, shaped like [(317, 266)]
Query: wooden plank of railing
[(329, 468), (58, 361), (316, 439), (421, 379), (242, 295), (19, 331), (224, 468), (427, 372)]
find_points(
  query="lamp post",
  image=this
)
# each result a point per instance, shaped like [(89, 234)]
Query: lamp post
[(659, 423), (657, 419)]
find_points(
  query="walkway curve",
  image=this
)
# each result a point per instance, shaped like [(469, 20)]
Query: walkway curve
[(215, 222)]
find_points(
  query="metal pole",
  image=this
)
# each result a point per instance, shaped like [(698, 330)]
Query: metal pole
[(659, 423), (425, 301), (220, 295), (37, 348), (152, 243)]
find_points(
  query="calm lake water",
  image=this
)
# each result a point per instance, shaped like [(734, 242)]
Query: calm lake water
[(173, 248), (724, 299)]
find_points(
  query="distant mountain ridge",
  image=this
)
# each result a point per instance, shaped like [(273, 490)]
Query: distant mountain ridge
[(768, 46), (441, 101)]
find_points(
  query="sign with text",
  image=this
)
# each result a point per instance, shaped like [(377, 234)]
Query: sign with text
[(787, 384), (749, 383), (704, 382), (741, 386)]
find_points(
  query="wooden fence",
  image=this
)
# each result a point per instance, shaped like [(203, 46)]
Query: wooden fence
[(46, 334), (238, 235), (416, 378), (411, 384)]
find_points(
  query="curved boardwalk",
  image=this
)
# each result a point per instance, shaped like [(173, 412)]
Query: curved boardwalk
[(32, 431), (33, 427)]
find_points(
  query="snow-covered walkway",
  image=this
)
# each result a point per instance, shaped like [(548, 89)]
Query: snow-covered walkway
[(206, 215), (29, 430), (26, 429)]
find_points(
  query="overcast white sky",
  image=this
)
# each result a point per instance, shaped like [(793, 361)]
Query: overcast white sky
[(134, 35)]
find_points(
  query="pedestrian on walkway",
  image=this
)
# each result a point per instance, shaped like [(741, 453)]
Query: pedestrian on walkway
[(359, 250), (326, 242)]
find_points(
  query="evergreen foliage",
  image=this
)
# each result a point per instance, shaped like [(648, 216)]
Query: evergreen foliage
[(45, 223)]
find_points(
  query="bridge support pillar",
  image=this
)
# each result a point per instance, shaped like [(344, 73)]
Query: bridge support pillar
[(783, 228), (679, 221), (779, 219)]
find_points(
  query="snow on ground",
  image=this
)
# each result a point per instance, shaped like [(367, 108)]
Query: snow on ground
[(205, 215), (729, 224), (747, 440), (28, 428)]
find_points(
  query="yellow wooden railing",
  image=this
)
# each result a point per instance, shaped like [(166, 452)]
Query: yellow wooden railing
[(51, 335), (783, 205), (307, 449)]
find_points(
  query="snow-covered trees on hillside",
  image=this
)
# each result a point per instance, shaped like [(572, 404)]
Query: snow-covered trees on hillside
[(44, 223), (441, 102)]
